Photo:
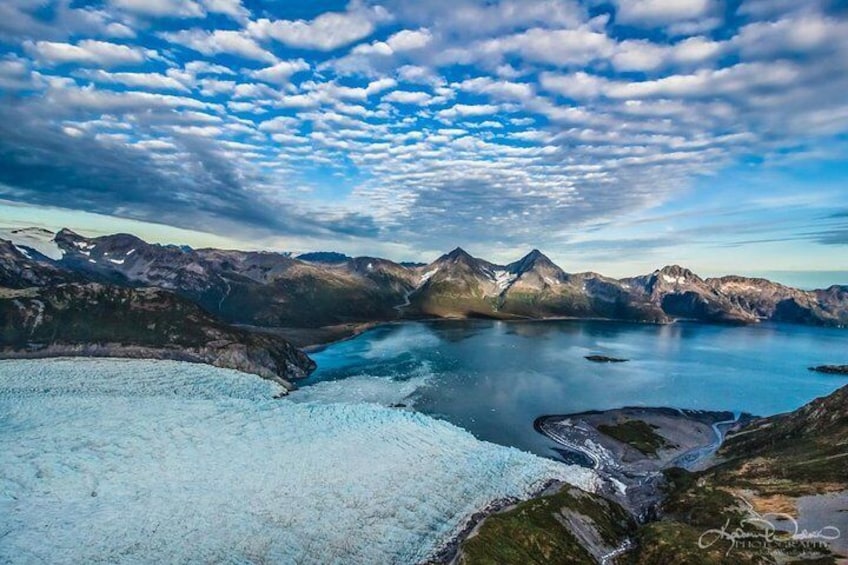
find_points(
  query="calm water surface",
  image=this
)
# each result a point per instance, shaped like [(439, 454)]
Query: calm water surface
[(494, 378)]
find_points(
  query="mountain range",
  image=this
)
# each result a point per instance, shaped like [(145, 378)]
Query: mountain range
[(319, 289), (60, 292)]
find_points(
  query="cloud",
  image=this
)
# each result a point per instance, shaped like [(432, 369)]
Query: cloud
[(161, 8), (644, 55), (86, 52), (196, 190), (24, 20), (232, 8), (466, 110), (804, 34), (662, 12), (147, 81), (473, 18), (559, 47), (408, 40), (281, 72), (499, 89), (416, 98), (220, 41), (737, 79), (326, 32), (522, 122)]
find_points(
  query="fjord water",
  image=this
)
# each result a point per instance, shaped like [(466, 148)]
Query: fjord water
[(495, 378)]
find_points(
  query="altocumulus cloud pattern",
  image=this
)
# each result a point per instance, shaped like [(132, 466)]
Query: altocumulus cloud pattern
[(527, 122)]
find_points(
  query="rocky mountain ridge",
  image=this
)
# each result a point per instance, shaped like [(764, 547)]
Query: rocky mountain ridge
[(49, 311), (278, 290)]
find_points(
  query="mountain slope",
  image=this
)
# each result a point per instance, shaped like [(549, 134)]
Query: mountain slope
[(680, 293), (763, 471), (765, 474), (47, 311), (459, 285), (109, 321), (276, 290), (773, 301), (255, 288)]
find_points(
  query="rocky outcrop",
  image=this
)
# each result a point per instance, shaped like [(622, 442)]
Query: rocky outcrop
[(22, 268), (831, 369), (99, 320)]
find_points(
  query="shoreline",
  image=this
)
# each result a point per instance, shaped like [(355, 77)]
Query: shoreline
[(632, 465)]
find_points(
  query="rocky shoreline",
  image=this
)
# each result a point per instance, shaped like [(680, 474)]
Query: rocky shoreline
[(630, 447)]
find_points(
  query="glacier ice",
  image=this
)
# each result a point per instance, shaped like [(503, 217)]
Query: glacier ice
[(158, 461)]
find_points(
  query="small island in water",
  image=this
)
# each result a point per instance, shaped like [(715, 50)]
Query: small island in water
[(605, 359), (831, 369)]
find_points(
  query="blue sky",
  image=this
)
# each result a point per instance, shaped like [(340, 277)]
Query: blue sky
[(616, 136)]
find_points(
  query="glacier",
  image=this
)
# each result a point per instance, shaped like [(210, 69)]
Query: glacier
[(134, 461)]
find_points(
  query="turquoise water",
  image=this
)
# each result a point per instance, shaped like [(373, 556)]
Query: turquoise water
[(495, 378)]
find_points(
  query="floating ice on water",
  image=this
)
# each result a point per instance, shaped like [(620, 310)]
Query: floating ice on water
[(382, 390), (128, 461)]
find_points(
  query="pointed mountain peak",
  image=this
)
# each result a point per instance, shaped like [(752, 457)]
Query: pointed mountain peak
[(458, 254), (65, 233), (68, 240), (535, 254), (530, 261)]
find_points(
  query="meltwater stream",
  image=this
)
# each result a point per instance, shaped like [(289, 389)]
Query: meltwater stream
[(495, 378)]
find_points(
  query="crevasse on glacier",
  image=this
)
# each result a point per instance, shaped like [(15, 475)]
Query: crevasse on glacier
[(129, 461)]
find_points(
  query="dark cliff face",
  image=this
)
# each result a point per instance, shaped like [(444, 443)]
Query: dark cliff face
[(20, 268), (104, 320)]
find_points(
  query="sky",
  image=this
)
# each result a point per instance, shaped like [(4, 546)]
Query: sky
[(616, 136)]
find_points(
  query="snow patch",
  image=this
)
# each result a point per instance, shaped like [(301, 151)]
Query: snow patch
[(427, 276), (39, 316), (503, 279), (673, 280), (33, 238), (84, 245), (154, 461), (23, 251)]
